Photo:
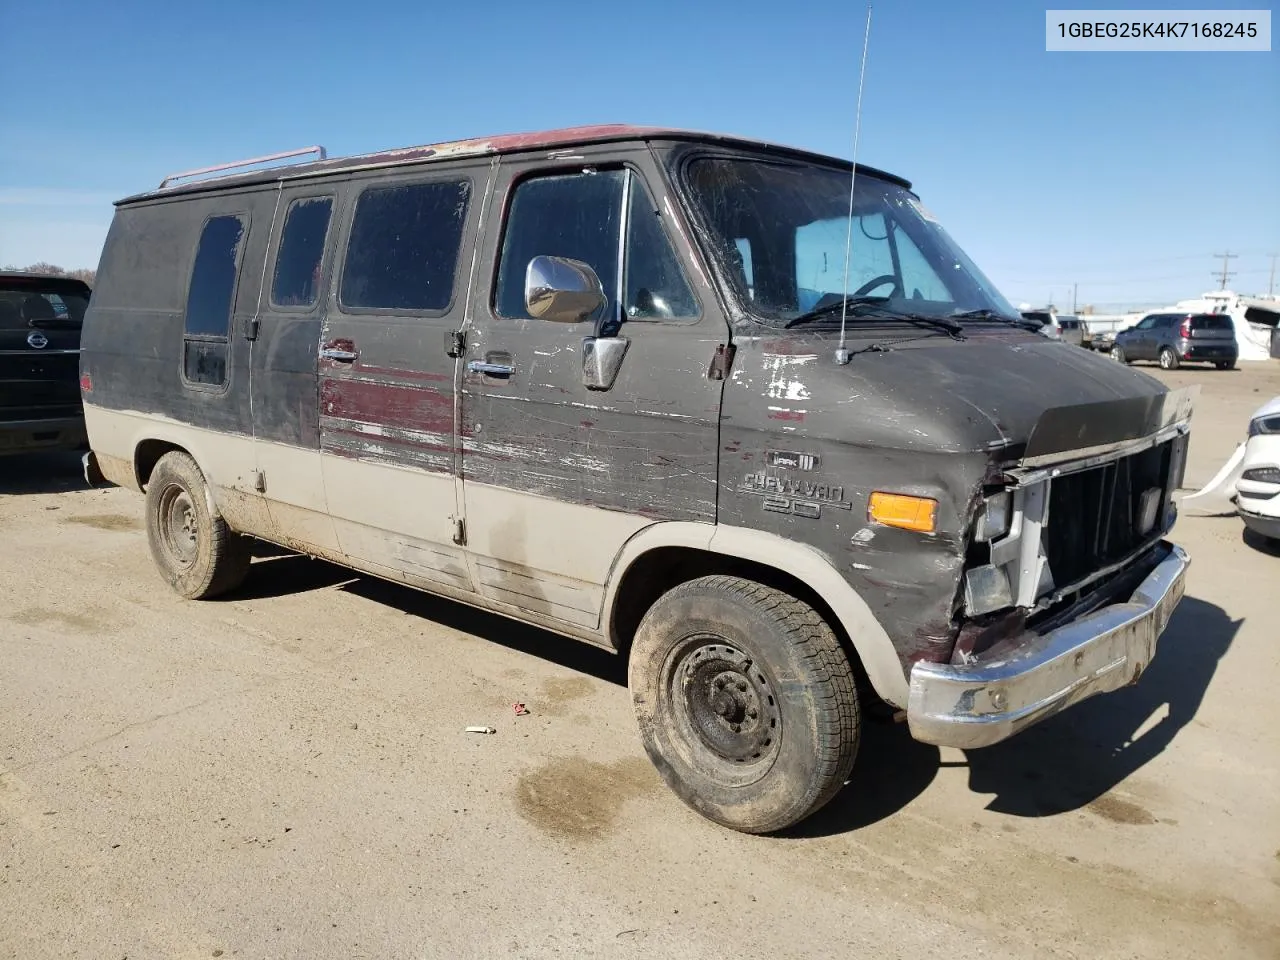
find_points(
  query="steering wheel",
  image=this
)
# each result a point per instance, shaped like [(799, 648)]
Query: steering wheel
[(879, 281)]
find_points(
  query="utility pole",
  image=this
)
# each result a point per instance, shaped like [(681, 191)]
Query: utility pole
[(1075, 288), (1271, 284), (1224, 273)]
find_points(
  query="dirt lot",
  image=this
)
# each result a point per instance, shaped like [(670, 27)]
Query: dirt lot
[(284, 774)]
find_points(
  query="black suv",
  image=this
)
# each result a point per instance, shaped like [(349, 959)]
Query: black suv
[(1172, 339), (40, 319)]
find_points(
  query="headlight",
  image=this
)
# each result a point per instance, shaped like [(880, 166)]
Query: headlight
[(994, 517), (1264, 425), (1262, 474)]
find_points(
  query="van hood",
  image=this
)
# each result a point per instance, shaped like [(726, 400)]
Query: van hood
[(1025, 397)]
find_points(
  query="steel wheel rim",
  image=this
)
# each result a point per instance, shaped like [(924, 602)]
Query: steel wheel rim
[(179, 525), (725, 703), (1166, 360)]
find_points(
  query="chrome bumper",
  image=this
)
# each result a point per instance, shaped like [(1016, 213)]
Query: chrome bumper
[(978, 704)]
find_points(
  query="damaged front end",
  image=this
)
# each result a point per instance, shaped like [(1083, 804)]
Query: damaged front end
[(1068, 582)]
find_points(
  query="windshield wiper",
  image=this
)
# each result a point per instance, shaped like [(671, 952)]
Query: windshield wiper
[(984, 313), (877, 307), (834, 308)]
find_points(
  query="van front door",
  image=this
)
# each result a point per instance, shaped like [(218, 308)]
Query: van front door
[(387, 391), (557, 475)]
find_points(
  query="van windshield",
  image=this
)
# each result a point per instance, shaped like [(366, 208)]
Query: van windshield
[(780, 230)]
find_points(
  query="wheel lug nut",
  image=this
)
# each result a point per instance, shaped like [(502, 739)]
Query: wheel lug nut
[(742, 687), (736, 727), (719, 683), (753, 713)]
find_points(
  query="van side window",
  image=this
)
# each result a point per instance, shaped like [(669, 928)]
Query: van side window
[(579, 216), (656, 288), (209, 300), (297, 278), (403, 251)]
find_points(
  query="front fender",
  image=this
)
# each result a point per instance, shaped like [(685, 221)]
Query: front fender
[(876, 651)]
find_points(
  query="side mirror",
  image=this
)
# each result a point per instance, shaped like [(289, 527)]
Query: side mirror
[(561, 290)]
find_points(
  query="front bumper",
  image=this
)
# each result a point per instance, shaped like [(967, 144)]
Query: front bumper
[(1262, 525), (981, 703)]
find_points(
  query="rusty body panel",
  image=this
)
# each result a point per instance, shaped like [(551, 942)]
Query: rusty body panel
[(564, 142)]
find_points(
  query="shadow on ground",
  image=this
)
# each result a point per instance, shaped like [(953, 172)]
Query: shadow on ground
[(1079, 755), (569, 653), (277, 572), (1064, 763), (32, 473), (1260, 543)]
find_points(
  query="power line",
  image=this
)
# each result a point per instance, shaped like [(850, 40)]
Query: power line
[(1225, 273), (1114, 264)]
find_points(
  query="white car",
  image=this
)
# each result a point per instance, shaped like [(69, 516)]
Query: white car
[(1249, 483)]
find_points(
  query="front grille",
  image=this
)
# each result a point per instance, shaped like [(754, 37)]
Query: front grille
[(1094, 515)]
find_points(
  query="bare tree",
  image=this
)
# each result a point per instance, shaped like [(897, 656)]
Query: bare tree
[(53, 270), (49, 269)]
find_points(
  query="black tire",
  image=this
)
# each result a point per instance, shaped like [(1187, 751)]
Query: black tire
[(1168, 359), (1117, 354), (196, 553), (1225, 364), (706, 655)]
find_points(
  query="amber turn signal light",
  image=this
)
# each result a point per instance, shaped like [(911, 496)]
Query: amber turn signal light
[(900, 510)]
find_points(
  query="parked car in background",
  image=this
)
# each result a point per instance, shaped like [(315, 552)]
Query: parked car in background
[(1249, 482), (1172, 339), (1048, 322), (40, 318), (1057, 326), (1071, 330)]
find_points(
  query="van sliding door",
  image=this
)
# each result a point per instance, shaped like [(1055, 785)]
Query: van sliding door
[(387, 377)]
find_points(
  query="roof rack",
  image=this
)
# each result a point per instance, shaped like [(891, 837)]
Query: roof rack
[(317, 150)]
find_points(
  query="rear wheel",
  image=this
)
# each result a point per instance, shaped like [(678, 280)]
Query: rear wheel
[(196, 552), (1117, 354), (1168, 359), (746, 703)]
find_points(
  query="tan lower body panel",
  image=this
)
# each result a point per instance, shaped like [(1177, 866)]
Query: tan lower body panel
[(553, 564), (544, 555)]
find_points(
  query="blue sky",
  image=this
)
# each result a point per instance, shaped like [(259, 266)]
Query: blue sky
[(1123, 172)]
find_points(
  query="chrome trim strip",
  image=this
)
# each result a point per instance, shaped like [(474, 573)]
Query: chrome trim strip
[(33, 352), (1073, 461)]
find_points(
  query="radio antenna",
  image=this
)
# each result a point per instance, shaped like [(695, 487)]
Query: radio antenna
[(842, 351)]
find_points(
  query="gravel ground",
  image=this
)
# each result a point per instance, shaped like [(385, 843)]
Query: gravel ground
[(284, 774)]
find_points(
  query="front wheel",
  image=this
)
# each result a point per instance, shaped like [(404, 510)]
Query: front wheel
[(195, 551), (745, 701), (1168, 359), (1117, 354)]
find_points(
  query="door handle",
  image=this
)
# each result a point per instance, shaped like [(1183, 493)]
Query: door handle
[(342, 356), (495, 364)]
